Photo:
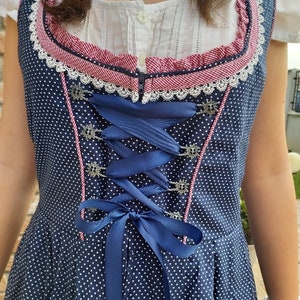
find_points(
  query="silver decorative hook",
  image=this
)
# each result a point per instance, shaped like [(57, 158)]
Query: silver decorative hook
[(181, 187), (191, 151), (89, 132), (78, 93), (210, 107), (94, 170)]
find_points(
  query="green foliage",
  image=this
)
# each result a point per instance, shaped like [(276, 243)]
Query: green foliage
[(297, 184), (245, 221)]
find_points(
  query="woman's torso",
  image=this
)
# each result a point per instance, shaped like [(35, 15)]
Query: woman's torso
[(79, 146)]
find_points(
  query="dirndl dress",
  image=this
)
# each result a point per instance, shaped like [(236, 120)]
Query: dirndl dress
[(139, 173)]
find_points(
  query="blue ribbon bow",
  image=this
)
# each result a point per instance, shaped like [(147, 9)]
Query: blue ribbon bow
[(157, 230)]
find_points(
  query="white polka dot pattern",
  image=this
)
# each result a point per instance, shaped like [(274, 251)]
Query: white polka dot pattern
[(52, 261)]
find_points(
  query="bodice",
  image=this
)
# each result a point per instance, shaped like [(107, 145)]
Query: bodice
[(162, 150)]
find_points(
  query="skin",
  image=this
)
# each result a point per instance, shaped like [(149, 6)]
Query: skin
[(267, 186), (17, 172)]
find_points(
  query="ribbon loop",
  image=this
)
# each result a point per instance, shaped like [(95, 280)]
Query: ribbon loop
[(147, 122), (156, 229)]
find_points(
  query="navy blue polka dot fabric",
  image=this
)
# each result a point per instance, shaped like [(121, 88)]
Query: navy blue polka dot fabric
[(56, 261)]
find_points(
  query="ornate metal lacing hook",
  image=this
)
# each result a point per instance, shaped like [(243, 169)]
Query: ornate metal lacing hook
[(210, 107), (191, 151), (77, 92), (181, 187), (89, 132), (94, 170), (174, 215)]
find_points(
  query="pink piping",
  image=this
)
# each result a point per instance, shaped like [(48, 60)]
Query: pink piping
[(201, 155), (77, 142)]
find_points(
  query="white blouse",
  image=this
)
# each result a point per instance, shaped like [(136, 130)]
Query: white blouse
[(10, 8), (170, 28), (287, 21)]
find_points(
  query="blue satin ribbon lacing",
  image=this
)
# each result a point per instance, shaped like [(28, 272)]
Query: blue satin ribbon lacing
[(157, 230), (148, 123)]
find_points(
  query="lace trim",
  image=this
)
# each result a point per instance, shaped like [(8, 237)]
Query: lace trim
[(155, 64), (153, 91)]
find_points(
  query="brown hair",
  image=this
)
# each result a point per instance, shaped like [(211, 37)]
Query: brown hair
[(69, 11), (74, 11)]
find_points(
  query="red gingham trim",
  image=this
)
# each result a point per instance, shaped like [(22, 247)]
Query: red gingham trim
[(201, 155), (160, 65), (78, 63), (77, 142), (214, 73), (217, 72), (125, 61), (155, 64)]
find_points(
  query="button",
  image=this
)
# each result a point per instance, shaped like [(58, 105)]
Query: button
[(142, 17)]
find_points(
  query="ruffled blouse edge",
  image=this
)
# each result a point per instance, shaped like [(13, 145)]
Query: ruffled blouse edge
[(286, 37), (11, 13), (279, 35)]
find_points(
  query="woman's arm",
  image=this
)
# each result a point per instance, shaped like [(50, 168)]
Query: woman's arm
[(17, 172), (268, 185)]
